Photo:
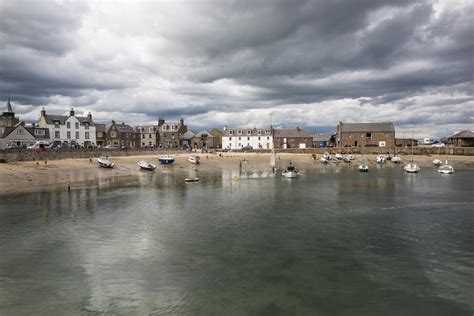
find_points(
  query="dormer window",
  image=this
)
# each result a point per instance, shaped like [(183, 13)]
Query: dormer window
[(56, 123), (239, 132), (249, 132), (86, 125), (231, 132), (259, 132)]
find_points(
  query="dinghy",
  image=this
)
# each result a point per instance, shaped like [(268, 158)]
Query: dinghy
[(146, 166)]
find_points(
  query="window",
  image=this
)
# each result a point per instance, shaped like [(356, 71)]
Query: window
[(249, 132), (68, 124), (230, 138), (259, 132), (239, 138), (68, 135), (268, 137), (113, 134), (56, 134), (77, 135), (149, 136), (56, 124), (151, 129), (248, 138), (239, 132), (87, 135), (77, 125), (143, 135), (259, 138), (86, 125), (39, 132), (20, 131), (231, 132), (368, 135), (99, 134)]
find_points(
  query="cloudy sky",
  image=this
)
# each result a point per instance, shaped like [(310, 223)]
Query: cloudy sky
[(242, 63)]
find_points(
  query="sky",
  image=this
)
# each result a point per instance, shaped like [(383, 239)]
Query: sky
[(252, 63)]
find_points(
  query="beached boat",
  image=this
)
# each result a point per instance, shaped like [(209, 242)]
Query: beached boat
[(194, 159), (191, 179), (324, 160), (380, 159), (437, 162), (396, 159), (290, 171), (146, 165), (273, 160), (104, 162), (166, 160), (338, 156)]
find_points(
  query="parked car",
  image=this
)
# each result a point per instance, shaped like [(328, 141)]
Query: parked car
[(12, 146), (438, 145), (39, 145), (248, 147), (111, 147)]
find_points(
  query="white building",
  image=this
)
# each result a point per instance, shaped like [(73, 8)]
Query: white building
[(257, 138), (70, 129), (148, 135)]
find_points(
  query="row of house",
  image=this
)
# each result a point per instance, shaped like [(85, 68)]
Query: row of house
[(83, 131)]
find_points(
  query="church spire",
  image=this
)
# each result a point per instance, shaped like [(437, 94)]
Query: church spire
[(9, 105)]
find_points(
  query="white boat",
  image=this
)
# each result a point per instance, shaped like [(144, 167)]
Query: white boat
[(380, 159), (104, 162), (323, 160), (350, 157), (412, 167), (363, 167), (146, 166), (327, 156), (396, 159), (273, 160), (290, 171), (194, 159), (338, 156), (446, 168), (437, 162), (166, 160)]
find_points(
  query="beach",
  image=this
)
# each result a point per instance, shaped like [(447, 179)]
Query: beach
[(40, 175)]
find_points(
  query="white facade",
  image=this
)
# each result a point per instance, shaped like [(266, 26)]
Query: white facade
[(237, 138), (69, 129)]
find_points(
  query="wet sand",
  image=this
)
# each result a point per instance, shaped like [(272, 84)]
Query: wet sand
[(32, 176)]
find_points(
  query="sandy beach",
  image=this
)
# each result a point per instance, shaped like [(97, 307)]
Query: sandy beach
[(36, 176)]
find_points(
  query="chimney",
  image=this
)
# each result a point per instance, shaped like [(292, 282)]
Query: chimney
[(71, 112), (297, 128), (181, 121), (225, 128), (43, 112), (89, 117), (161, 121)]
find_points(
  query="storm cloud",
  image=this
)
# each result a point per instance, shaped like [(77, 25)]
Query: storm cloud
[(236, 63)]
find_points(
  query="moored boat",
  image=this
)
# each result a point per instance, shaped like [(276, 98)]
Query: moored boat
[(363, 166), (412, 167), (380, 159), (194, 159), (290, 171), (146, 165), (166, 160), (191, 179), (437, 162), (446, 169), (104, 162), (396, 159)]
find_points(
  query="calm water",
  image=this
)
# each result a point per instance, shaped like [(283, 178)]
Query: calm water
[(335, 243)]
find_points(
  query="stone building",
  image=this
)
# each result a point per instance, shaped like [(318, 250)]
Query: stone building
[(100, 134), (148, 136), (185, 140), (121, 136), (203, 140), (462, 139), (286, 138), (21, 136), (365, 135), (8, 119), (169, 133)]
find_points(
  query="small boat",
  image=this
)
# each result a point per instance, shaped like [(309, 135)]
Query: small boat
[(412, 167), (446, 169), (437, 162), (194, 159), (349, 157), (290, 171), (327, 156), (146, 166), (104, 162), (338, 156), (396, 159), (323, 160), (380, 159), (363, 167), (191, 179), (166, 160)]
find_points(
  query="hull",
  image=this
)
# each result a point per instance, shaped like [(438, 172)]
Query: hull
[(105, 163), (363, 169), (194, 160), (412, 168), (146, 166), (166, 161), (446, 169), (289, 174)]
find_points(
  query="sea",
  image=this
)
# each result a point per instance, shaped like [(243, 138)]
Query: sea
[(330, 242)]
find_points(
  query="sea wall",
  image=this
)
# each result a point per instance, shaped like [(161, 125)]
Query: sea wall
[(12, 155)]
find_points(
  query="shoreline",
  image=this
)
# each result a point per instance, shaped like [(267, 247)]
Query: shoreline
[(31, 176)]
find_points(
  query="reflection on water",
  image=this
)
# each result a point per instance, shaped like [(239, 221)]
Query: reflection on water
[(242, 243)]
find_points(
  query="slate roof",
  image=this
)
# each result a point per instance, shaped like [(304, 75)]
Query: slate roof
[(289, 133), (463, 134), (50, 119), (146, 128), (201, 133), (173, 127), (367, 127), (125, 128), (248, 132), (322, 138), (30, 129), (100, 127), (187, 135), (9, 106)]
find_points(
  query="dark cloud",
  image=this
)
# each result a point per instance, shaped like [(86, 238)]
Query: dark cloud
[(233, 62)]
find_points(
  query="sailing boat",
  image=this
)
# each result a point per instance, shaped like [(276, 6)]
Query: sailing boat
[(363, 166), (412, 167), (273, 160), (446, 168)]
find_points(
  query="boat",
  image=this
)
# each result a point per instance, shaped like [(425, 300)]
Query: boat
[(396, 159), (363, 166), (146, 165), (380, 159), (412, 167), (324, 160), (350, 157), (166, 160), (273, 160), (191, 179), (437, 162), (290, 171), (104, 162), (194, 159), (338, 156), (446, 168)]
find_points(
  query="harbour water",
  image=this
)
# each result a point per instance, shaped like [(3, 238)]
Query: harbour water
[(327, 243)]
